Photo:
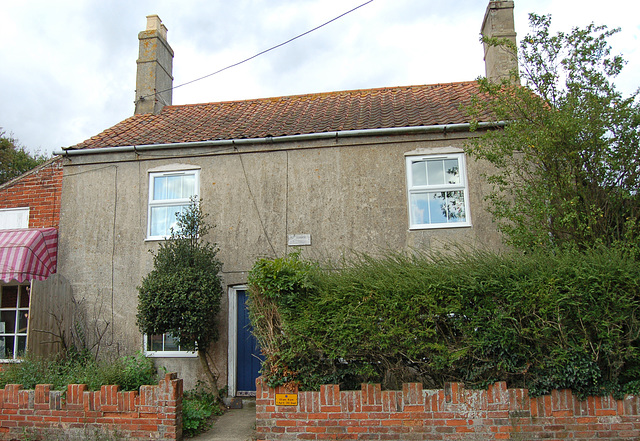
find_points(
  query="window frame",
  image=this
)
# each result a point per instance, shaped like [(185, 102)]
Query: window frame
[(168, 202), (20, 287), (429, 189), (164, 354)]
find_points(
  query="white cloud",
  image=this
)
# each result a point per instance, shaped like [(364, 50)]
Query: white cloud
[(69, 71)]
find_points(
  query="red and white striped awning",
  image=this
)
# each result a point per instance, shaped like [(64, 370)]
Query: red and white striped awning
[(28, 254)]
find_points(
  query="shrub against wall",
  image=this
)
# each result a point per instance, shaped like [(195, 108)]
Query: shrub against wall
[(181, 295), (540, 321)]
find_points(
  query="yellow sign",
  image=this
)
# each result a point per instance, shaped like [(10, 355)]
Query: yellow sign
[(286, 399)]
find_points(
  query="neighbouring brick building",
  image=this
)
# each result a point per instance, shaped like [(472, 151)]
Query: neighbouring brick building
[(34, 299), (35, 194)]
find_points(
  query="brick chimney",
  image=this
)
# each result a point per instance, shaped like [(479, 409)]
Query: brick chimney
[(498, 23), (154, 79)]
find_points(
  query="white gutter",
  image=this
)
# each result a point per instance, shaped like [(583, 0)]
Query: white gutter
[(272, 139)]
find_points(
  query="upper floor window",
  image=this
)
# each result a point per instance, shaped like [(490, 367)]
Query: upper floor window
[(438, 195), (11, 218), (169, 193)]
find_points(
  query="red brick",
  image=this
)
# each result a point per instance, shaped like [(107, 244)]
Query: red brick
[(40, 191), (398, 416), (73, 414), (315, 429)]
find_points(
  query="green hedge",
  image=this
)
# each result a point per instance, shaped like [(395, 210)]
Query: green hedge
[(565, 320)]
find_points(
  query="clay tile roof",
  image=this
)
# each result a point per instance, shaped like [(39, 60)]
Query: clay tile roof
[(389, 107)]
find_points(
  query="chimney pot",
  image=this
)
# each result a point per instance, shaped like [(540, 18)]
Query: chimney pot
[(154, 23)]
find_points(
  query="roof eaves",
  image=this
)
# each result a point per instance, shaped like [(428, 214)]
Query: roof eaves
[(277, 139)]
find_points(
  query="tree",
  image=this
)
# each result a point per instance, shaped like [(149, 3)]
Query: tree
[(14, 159), (181, 295), (565, 166)]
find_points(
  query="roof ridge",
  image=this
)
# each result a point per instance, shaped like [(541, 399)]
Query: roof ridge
[(329, 93), (355, 109)]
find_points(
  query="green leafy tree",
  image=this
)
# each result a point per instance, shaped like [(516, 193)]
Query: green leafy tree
[(181, 295), (14, 159), (565, 166)]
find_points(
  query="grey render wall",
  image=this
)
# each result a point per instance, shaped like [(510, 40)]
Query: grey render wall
[(348, 194)]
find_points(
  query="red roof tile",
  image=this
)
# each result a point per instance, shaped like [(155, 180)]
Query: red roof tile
[(389, 107)]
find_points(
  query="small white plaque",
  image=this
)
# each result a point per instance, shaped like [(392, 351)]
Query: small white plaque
[(296, 240)]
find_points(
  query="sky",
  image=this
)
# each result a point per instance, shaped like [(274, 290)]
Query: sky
[(68, 67)]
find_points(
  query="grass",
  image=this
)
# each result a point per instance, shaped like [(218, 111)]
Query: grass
[(127, 372)]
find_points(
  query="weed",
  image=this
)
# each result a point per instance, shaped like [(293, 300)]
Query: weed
[(128, 372), (198, 406)]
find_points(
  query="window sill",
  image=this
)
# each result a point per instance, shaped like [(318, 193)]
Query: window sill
[(155, 239), (439, 226), (171, 354)]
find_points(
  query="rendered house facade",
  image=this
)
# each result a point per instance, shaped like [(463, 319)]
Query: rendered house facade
[(326, 174)]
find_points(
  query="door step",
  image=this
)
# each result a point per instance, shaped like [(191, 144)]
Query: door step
[(238, 402)]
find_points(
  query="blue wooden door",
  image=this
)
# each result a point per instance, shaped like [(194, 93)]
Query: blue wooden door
[(249, 356)]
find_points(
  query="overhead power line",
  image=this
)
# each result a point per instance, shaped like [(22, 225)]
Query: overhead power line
[(263, 52)]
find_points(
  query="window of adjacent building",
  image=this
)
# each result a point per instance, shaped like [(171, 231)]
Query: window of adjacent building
[(169, 193), (11, 218), (14, 320), (163, 345), (438, 195)]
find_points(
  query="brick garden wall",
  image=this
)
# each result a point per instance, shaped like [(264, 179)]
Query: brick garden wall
[(454, 413), (155, 413), (39, 190)]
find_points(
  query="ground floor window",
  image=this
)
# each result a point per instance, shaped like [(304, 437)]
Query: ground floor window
[(14, 320), (164, 345)]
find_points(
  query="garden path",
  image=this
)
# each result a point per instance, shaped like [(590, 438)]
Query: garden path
[(234, 425)]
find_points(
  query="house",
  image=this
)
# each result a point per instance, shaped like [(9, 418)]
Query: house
[(324, 173), (34, 298)]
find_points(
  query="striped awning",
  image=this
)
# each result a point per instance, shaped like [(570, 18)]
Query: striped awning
[(28, 254)]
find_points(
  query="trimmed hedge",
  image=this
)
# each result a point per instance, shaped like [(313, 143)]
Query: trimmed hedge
[(540, 321)]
